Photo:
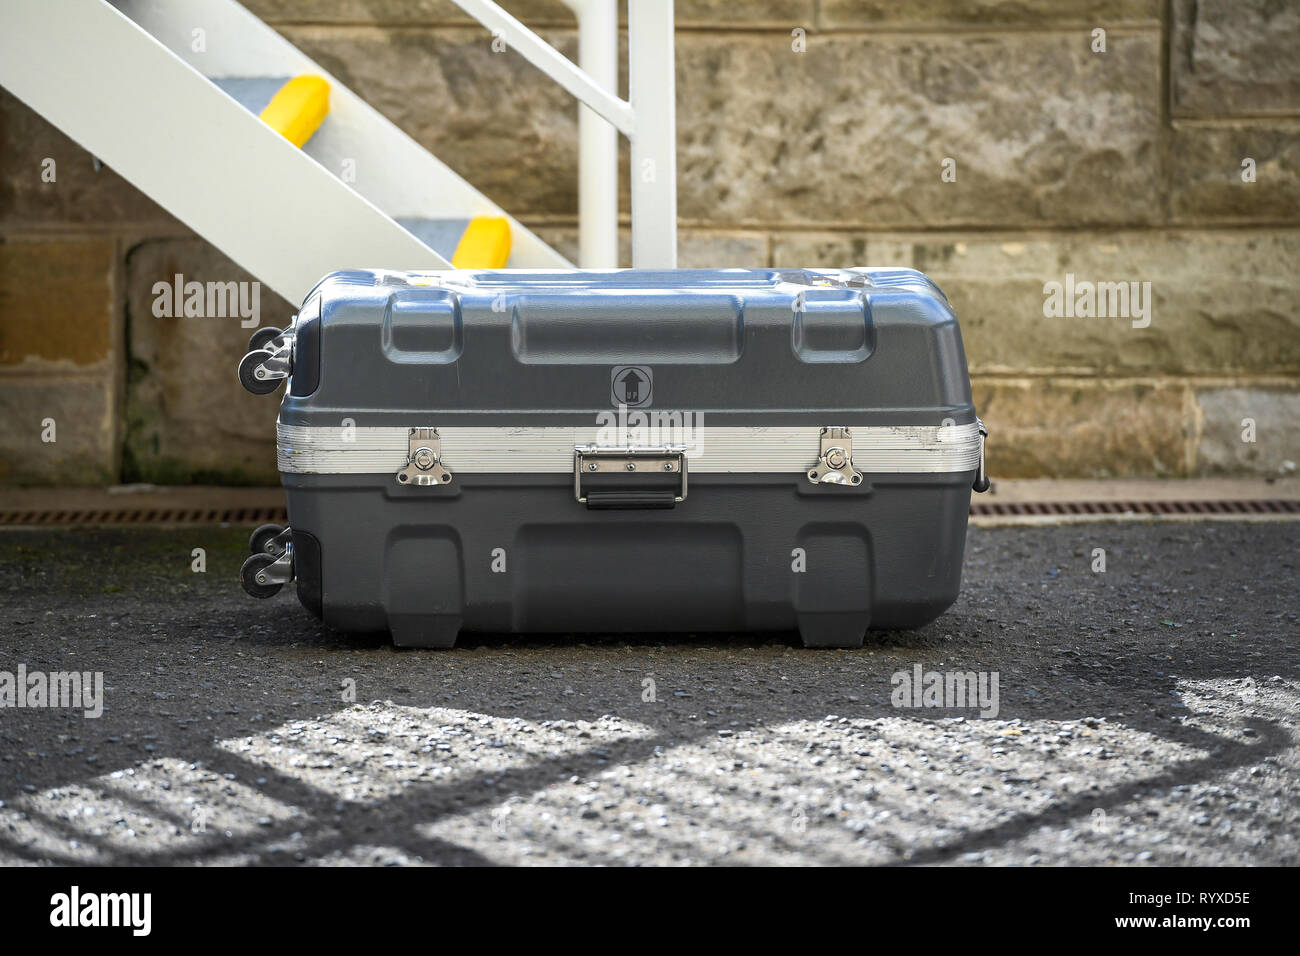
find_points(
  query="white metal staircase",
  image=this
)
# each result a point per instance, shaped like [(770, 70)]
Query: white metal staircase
[(167, 93)]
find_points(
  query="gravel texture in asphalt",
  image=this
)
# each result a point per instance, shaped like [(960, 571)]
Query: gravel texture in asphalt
[(1144, 714)]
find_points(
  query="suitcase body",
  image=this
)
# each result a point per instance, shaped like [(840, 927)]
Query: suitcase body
[(627, 451)]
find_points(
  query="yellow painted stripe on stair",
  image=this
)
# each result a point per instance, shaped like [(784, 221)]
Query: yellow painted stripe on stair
[(298, 109), (485, 244)]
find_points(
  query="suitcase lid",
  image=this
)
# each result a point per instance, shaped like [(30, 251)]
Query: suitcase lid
[(761, 347)]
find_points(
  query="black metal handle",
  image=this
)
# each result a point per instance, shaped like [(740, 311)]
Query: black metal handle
[(619, 500)]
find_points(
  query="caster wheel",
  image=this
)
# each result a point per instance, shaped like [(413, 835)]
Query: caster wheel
[(263, 540), (262, 338), (251, 382), (248, 576)]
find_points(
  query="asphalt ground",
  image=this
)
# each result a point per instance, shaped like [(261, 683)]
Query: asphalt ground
[(1145, 714)]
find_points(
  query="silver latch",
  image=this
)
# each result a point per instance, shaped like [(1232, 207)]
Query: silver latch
[(835, 466), (424, 459), (595, 459)]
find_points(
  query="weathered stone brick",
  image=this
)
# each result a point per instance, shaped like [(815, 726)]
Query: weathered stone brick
[(737, 13), (722, 250), (988, 13), (56, 303), (855, 130), (1235, 57), (832, 250), (695, 250), (1084, 428), (745, 14), (407, 13), (187, 417), (1274, 417), (85, 411), (1221, 302), (1206, 178)]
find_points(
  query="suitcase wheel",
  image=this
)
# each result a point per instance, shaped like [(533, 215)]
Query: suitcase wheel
[(256, 564), (248, 377), (267, 540), (262, 339)]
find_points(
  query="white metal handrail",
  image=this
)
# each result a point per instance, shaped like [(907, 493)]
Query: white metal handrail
[(597, 139), (648, 118)]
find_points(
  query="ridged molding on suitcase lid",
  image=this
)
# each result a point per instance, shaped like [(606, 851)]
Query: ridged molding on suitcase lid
[(826, 375)]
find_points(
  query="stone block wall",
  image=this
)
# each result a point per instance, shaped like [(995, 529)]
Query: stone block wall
[(991, 143)]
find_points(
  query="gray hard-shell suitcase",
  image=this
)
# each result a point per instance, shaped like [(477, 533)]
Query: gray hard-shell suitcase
[(620, 451)]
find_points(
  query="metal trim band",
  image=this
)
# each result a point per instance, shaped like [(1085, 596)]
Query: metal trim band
[(911, 449)]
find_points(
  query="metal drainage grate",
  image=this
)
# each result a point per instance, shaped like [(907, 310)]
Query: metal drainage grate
[(142, 516), (1274, 506), (978, 509)]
